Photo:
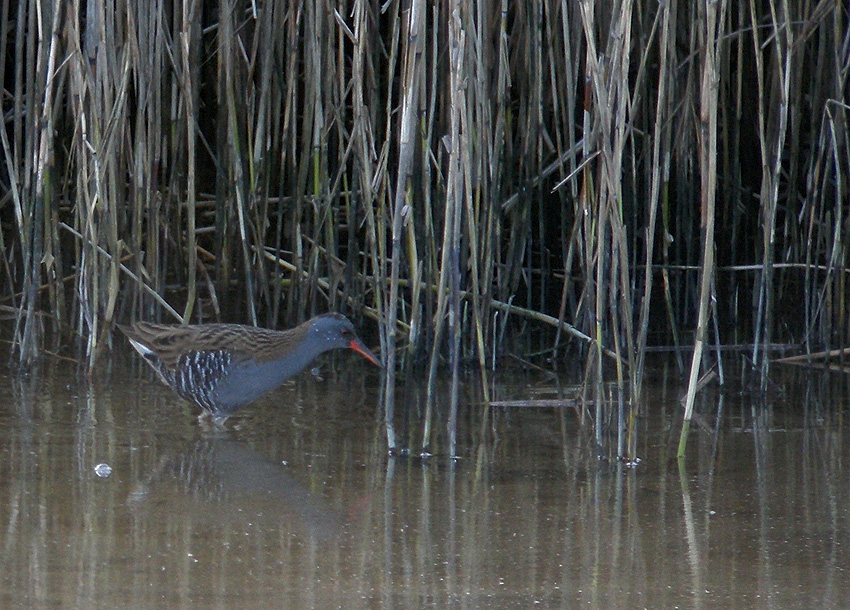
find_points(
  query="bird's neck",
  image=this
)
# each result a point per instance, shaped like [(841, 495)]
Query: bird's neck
[(295, 359)]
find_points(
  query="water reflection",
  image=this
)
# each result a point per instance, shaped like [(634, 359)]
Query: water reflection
[(223, 480), (296, 504)]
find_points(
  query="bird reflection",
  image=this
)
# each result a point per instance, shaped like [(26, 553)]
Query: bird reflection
[(223, 479)]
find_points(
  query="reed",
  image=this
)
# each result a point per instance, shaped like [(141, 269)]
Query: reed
[(712, 15), (639, 175)]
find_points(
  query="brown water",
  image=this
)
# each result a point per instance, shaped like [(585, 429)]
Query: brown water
[(296, 504)]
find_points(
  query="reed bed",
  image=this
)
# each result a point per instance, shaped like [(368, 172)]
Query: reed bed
[(626, 175)]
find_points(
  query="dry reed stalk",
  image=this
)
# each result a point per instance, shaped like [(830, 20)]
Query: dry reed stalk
[(363, 136), (445, 266), (822, 233), (566, 93), (98, 86), (136, 278), (609, 257), (772, 136), (189, 94), (659, 167), (456, 193), (411, 78), (714, 14), (477, 224), (40, 147), (232, 146)]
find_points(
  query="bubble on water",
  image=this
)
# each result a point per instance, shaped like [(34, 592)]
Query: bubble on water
[(103, 470)]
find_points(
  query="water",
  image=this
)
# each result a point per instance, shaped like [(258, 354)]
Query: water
[(296, 504)]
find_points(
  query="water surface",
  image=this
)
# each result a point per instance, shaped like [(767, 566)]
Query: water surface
[(295, 504)]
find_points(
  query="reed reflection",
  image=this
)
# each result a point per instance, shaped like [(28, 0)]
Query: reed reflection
[(528, 518)]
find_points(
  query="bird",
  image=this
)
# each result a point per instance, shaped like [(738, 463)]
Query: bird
[(224, 367)]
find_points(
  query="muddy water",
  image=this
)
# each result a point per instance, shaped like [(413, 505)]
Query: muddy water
[(296, 505)]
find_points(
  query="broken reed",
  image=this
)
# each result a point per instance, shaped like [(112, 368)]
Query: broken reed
[(450, 170)]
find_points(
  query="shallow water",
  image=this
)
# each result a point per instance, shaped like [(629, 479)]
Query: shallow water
[(296, 504)]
